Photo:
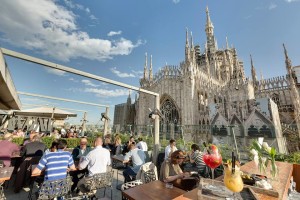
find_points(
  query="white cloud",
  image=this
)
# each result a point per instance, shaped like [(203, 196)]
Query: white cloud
[(290, 1), (55, 71), (121, 74), (89, 83), (138, 73), (93, 17), (107, 93), (74, 80), (112, 33), (72, 5), (272, 6), (248, 17), (51, 29), (176, 1)]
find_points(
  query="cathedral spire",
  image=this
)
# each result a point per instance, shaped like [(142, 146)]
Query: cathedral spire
[(253, 72), (129, 97), (261, 75), (227, 46), (226, 66), (209, 26), (209, 29), (288, 63), (187, 46), (293, 88), (192, 41), (187, 38), (150, 70), (146, 67)]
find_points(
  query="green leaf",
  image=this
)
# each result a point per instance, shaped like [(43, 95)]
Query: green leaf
[(256, 146), (273, 152)]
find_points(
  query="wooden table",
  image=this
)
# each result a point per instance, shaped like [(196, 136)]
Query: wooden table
[(5, 173), (280, 185), (155, 190), (191, 195)]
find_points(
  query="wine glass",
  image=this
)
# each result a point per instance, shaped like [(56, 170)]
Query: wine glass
[(232, 179), (212, 158)]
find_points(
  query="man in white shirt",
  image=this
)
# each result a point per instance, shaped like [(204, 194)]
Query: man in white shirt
[(142, 145), (96, 161), (170, 149), (63, 132)]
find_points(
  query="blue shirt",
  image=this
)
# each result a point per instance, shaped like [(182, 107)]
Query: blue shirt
[(55, 164), (138, 158)]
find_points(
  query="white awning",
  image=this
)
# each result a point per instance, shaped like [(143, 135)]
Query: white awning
[(45, 112)]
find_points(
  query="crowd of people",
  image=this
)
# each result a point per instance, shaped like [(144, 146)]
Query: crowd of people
[(82, 162), (71, 132), (87, 159)]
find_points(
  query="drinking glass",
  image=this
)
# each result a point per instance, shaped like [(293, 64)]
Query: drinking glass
[(212, 159), (232, 179), (169, 185)]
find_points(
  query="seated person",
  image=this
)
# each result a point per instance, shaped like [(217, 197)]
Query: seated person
[(70, 134), (31, 135), (107, 143), (125, 148), (56, 164), (170, 149), (79, 152), (196, 159), (170, 171), (7, 148), (82, 150), (129, 142), (96, 161), (53, 147), (118, 146), (55, 134), (137, 157), (34, 148), (142, 145)]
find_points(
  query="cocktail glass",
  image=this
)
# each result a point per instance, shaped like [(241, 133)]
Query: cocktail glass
[(232, 179), (212, 158)]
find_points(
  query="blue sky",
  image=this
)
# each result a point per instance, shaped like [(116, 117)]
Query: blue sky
[(109, 38)]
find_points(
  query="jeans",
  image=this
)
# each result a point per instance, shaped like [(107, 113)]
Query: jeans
[(129, 175)]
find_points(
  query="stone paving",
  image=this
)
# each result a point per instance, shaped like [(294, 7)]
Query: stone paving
[(23, 194)]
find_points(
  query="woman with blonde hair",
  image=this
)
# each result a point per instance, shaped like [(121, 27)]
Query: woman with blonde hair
[(118, 146), (170, 172)]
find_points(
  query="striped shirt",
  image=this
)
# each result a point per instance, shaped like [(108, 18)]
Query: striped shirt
[(55, 164), (197, 157)]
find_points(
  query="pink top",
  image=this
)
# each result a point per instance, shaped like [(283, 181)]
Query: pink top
[(6, 150)]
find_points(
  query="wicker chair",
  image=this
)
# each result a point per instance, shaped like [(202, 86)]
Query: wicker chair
[(147, 174), (99, 181), (2, 196), (57, 188)]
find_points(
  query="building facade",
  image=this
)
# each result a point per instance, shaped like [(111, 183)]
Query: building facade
[(208, 94)]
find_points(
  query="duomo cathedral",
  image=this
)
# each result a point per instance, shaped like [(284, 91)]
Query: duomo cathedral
[(208, 96)]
